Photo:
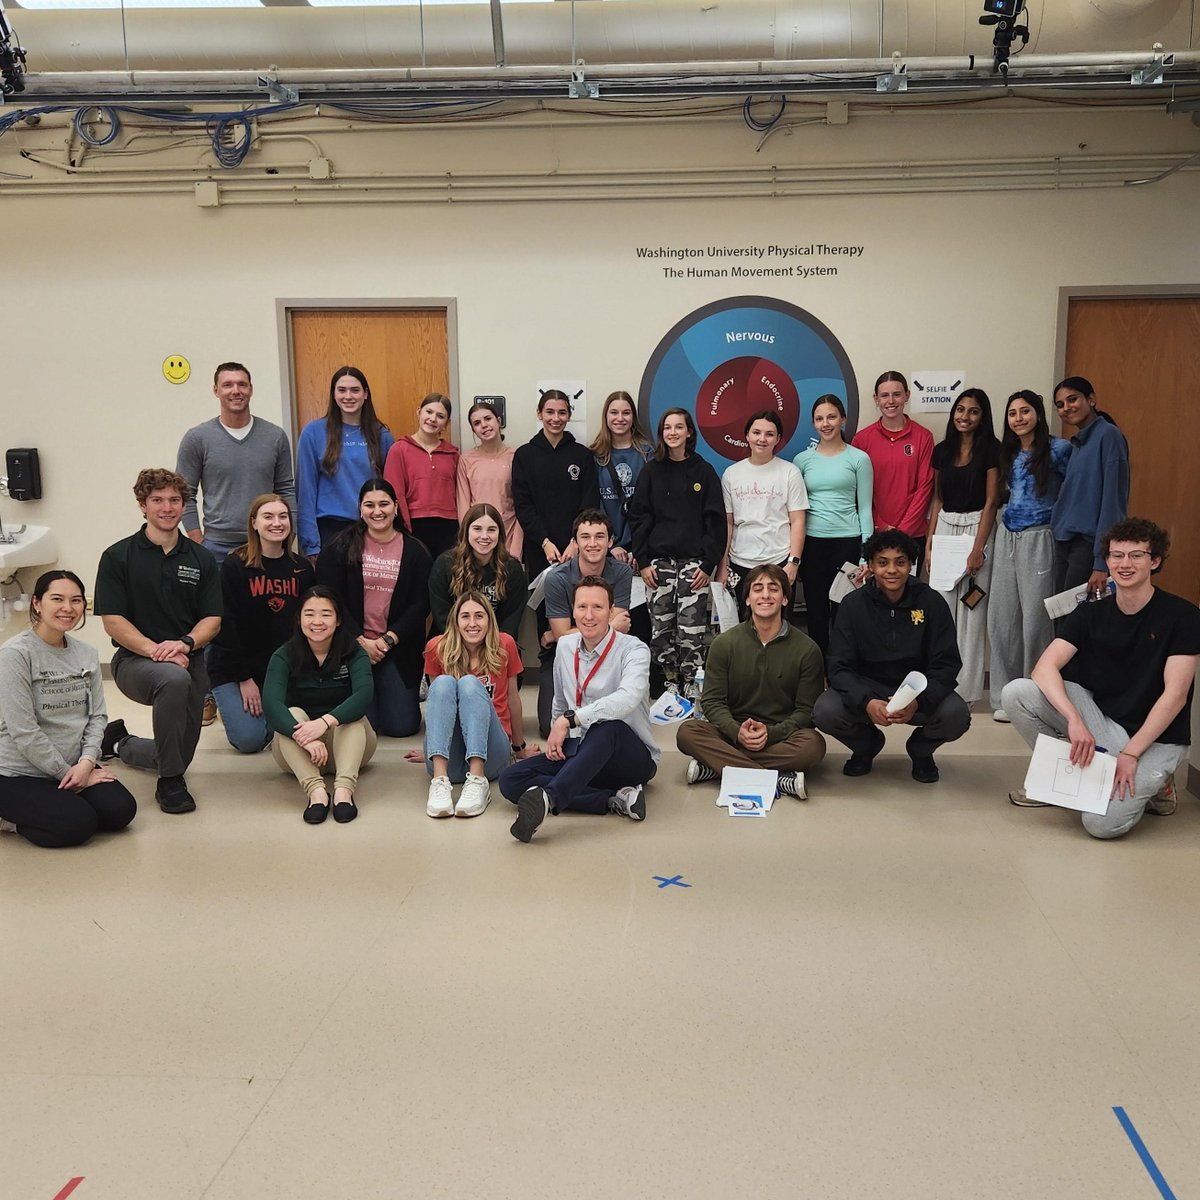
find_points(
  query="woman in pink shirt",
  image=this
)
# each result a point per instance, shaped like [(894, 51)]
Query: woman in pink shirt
[(422, 468), (485, 474), (380, 573)]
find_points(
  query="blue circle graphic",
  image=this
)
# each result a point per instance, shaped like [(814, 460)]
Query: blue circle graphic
[(740, 355)]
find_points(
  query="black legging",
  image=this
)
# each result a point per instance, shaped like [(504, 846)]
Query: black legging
[(818, 567), (50, 816)]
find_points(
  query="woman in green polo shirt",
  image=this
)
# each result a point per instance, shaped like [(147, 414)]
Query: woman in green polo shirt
[(315, 698)]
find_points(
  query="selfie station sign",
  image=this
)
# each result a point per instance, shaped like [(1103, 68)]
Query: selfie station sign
[(935, 391), (735, 357)]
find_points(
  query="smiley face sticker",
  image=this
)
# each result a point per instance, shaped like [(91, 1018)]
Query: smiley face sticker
[(176, 369)]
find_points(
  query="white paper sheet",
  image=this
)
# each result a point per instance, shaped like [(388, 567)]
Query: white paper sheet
[(1054, 780), (843, 582), (746, 784), (724, 607), (949, 562)]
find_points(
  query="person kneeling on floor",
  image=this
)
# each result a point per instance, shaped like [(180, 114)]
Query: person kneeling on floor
[(760, 683), (601, 750), (892, 625), (1126, 662)]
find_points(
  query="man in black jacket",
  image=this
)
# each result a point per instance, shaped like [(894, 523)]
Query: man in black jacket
[(893, 625)]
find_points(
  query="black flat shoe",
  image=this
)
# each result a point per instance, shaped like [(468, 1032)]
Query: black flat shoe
[(345, 812), (314, 814)]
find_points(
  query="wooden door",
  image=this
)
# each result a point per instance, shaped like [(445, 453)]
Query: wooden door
[(1142, 355), (403, 352)]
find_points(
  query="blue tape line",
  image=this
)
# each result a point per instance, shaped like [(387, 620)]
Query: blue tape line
[(664, 881), (1144, 1154)]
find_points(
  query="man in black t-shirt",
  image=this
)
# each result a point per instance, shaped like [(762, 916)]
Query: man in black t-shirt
[(1121, 673), (159, 594)]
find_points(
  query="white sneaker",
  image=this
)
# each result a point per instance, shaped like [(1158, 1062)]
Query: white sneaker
[(441, 797), (475, 796), (1001, 716), (7, 826), (698, 772), (629, 802), (791, 783)]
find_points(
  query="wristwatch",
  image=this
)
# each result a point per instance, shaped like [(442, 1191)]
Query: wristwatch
[(794, 560), (570, 715), (189, 642)]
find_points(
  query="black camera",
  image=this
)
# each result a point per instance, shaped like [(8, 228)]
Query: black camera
[(1005, 9)]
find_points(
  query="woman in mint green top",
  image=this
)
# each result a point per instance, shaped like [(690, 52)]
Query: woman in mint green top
[(838, 478)]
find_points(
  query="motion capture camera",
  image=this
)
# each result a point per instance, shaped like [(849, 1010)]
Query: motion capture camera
[(12, 60), (1003, 15)]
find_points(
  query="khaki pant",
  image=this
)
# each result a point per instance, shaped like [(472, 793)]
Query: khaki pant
[(698, 739), (350, 746)]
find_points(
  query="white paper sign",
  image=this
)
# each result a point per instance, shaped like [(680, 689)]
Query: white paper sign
[(949, 562), (748, 788), (936, 391), (1053, 779)]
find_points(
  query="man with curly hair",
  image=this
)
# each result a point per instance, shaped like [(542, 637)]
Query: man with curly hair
[(1119, 676), (159, 594)]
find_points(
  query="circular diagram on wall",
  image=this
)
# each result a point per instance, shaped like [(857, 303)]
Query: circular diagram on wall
[(739, 356)]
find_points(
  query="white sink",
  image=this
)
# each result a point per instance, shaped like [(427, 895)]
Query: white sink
[(33, 547)]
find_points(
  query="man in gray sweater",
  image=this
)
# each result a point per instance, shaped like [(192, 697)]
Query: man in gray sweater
[(232, 459)]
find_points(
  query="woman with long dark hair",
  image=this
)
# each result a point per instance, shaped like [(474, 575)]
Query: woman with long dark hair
[(480, 562), (966, 496), (334, 455), (485, 474), (1032, 468), (839, 481), (315, 696), (53, 790), (678, 520), (423, 468), (1095, 491), (380, 572), (261, 586)]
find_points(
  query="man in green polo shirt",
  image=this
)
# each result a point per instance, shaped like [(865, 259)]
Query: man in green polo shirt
[(761, 681), (160, 596)]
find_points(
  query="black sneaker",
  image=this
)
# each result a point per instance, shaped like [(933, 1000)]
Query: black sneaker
[(860, 762), (629, 802), (924, 769), (114, 734), (533, 807), (172, 795)]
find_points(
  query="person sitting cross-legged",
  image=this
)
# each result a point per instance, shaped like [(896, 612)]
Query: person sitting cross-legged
[(760, 684), (601, 750), (892, 625), (1120, 672)]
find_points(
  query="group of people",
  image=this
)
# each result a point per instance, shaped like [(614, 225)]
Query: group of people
[(421, 583)]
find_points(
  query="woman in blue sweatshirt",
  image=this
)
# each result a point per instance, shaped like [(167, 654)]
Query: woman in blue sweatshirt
[(334, 455)]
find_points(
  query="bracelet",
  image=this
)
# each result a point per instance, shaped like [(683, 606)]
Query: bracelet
[(1129, 754), (518, 748), (325, 718)]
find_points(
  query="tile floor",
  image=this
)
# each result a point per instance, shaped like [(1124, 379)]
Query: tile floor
[(888, 991)]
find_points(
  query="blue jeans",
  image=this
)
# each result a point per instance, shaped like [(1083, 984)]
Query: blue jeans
[(461, 723), (220, 550), (247, 733), (611, 756), (395, 709)]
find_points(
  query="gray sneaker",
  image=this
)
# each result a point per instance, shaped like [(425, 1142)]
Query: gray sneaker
[(1023, 801), (1165, 801), (629, 802)]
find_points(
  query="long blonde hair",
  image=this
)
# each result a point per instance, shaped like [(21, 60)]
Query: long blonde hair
[(602, 446), (465, 573), (455, 654)]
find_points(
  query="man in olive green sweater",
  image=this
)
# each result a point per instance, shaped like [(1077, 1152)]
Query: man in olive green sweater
[(760, 683)]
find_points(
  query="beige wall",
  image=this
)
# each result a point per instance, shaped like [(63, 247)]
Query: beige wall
[(100, 289)]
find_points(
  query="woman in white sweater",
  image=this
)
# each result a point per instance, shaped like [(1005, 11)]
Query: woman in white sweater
[(53, 790)]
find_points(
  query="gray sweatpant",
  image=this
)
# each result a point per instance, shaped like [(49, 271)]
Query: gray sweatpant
[(970, 624), (1031, 713), (176, 698), (1019, 628)]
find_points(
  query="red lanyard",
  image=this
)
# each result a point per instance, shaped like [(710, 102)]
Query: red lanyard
[(580, 688)]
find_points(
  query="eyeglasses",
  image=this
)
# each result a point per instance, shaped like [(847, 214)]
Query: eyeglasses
[(1134, 556)]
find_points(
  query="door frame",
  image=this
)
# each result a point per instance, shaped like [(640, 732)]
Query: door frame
[(285, 306)]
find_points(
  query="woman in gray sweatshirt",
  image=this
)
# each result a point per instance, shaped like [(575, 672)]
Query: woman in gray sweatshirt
[(53, 790)]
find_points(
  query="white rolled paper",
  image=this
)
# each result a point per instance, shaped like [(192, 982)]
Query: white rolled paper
[(914, 684)]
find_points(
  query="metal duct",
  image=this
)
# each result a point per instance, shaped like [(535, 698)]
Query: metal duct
[(605, 31)]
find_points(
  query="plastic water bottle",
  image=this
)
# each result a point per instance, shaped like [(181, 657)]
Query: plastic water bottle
[(698, 691)]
